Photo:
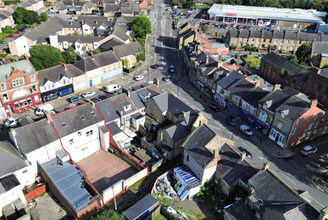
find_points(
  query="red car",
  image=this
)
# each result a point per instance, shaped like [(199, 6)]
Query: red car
[(11, 36), (18, 32)]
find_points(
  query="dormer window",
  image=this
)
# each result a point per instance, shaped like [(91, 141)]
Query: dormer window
[(18, 82), (126, 106)]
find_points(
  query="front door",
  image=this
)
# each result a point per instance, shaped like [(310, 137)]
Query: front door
[(90, 82)]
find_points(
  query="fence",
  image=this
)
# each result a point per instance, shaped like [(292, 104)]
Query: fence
[(36, 192)]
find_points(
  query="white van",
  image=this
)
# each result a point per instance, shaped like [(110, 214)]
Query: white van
[(42, 108), (113, 88)]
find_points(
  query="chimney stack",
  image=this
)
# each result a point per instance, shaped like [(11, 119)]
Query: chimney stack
[(276, 87), (243, 155), (48, 116), (63, 64), (207, 58), (266, 166), (251, 190), (324, 213), (156, 81), (26, 58), (314, 103)]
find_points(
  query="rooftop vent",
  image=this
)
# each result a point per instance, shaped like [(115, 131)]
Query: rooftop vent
[(82, 117), (64, 124)]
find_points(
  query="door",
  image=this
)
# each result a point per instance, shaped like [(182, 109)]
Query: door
[(90, 82)]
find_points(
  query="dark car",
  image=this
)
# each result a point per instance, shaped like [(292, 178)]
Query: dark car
[(214, 107), (3, 42), (155, 66), (232, 121), (248, 154)]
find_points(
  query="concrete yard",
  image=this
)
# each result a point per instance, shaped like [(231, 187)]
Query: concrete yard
[(104, 169)]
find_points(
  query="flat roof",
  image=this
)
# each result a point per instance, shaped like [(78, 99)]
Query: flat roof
[(141, 207), (252, 12)]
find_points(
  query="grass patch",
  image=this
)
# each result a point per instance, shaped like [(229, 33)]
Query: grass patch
[(252, 61), (160, 217), (137, 184)]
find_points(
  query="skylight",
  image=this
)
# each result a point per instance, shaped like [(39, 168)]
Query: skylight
[(82, 117), (64, 124), (93, 113)]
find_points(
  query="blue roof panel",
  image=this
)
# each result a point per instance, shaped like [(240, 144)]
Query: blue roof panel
[(186, 175)]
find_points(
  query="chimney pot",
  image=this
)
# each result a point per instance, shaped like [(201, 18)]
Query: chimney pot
[(48, 116), (243, 155), (276, 87), (266, 166), (26, 57), (314, 103)]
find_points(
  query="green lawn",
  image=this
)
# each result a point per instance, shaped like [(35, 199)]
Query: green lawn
[(252, 61), (137, 184), (160, 217)]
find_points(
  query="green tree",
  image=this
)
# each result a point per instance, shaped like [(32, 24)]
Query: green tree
[(69, 55), (141, 26), (318, 4), (303, 53), (125, 63), (282, 72), (43, 17), (107, 214), (19, 14), (293, 58), (45, 56), (30, 17), (204, 28), (76, 33)]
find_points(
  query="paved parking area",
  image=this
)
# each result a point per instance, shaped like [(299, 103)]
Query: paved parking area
[(49, 208), (104, 169)]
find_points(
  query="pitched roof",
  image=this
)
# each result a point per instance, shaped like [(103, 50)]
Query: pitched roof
[(162, 101), (320, 47), (76, 119), (108, 45), (127, 49), (120, 100), (80, 39), (278, 35), (114, 129), (229, 80), (54, 73), (303, 36), (291, 68), (255, 96), (233, 33), (274, 99), (120, 33), (196, 143), (97, 61), (228, 159), (23, 66), (244, 33), (140, 207), (255, 34), (240, 211), (295, 106), (10, 159), (112, 7), (108, 110), (177, 131), (242, 88), (266, 34), (290, 35)]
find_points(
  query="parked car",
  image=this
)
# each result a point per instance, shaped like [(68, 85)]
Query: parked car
[(18, 32), (3, 42), (246, 130), (308, 149), (112, 88), (232, 121), (167, 78), (171, 68), (154, 66), (171, 210), (75, 99), (215, 107), (139, 77), (10, 122), (257, 67), (248, 154), (11, 36), (259, 56), (42, 108), (88, 94)]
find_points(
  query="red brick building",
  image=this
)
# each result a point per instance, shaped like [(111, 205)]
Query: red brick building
[(212, 47), (278, 70), (19, 87)]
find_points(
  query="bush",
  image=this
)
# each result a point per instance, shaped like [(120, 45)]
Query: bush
[(250, 48)]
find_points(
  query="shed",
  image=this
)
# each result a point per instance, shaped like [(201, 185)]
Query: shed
[(143, 208)]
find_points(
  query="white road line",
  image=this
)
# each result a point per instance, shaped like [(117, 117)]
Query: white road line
[(289, 179), (261, 158), (317, 202)]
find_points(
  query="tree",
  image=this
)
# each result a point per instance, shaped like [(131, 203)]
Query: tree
[(303, 53), (69, 55), (141, 26), (282, 72), (30, 17), (107, 214), (43, 17), (19, 15), (45, 56), (76, 33), (293, 58), (125, 63), (318, 4), (204, 28)]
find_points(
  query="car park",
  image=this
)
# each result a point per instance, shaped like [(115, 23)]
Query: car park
[(231, 120), (308, 150), (171, 68), (215, 107), (75, 99), (248, 154), (88, 94), (139, 77), (246, 130)]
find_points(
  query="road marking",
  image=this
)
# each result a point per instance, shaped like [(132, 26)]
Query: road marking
[(289, 179), (317, 202), (261, 158)]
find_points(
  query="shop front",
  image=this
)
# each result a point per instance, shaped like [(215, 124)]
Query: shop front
[(253, 121), (232, 109), (22, 104), (200, 86), (220, 99), (58, 92), (278, 137)]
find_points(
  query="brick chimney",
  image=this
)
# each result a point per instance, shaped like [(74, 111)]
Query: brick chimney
[(276, 87), (314, 103), (26, 58), (63, 64), (319, 71), (48, 116), (243, 155), (266, 166)]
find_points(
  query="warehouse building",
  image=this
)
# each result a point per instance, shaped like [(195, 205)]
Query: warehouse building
[(280, 17)]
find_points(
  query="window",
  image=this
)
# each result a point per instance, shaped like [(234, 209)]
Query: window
[(71, 142), (188, 157), (310, 126), (64, 124), (29, 101), (297, 121), (282, 115), (3, 87), (18, 82), (53, 85), (64, 81), (24, 171), (252, 110), (36, 98), (279, 125), (89, 133), (32, 78), (33, 88), (293, 131), (17, 105), (5, 97), (79, 133)]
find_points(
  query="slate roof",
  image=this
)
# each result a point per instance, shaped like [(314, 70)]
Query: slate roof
[(303, 36), (233, 33), (73, 119), (229, 80), (81, 39), (140, 207), (290, 35), (255, 96), (23, 66), (121, 99), (162, 101), (196, 143), (240, 211), (124, 50), (114, 129), (278, 35), (244, 33), (112, 7), (267, 34), (242, 170), (276, 98), (255, 34), (54, 73), (228, 159), (108, 45), (177, 131), (320, 47), (120, 33), (152, 89), (295, 106), (242, 88), (10, 159), (291, 68), (41, 131), (97, 61), (108, 110)]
